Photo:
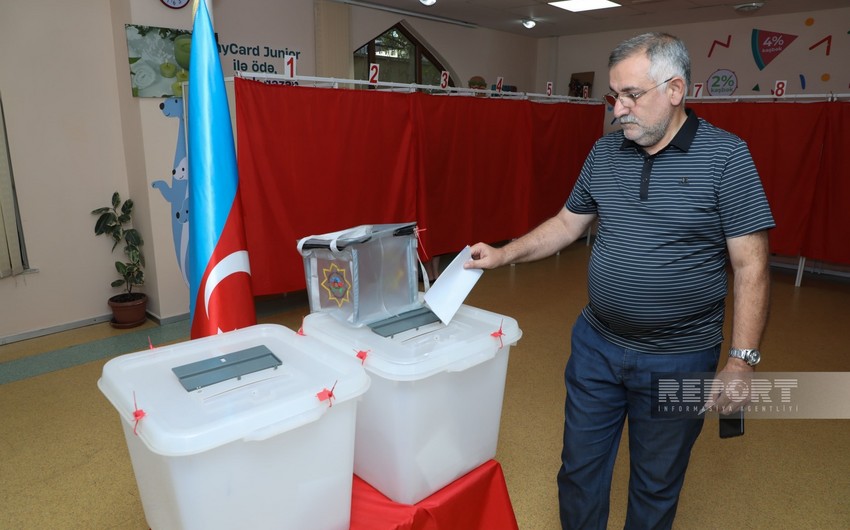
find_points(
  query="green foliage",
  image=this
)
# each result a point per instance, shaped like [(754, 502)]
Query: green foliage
[(112, 221)]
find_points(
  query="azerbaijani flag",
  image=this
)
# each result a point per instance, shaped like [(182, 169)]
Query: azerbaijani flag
[(220, 297)]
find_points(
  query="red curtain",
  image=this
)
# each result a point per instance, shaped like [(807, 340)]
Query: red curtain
[(828, 231), (476, 167), (563, 137), (466, 169), (314, 160)]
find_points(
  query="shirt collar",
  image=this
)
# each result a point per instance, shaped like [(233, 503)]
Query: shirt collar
[(683, 139)]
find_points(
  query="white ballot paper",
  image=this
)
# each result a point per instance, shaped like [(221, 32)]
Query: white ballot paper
[(452, 287)]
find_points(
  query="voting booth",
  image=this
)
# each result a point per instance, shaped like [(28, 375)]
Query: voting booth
[(252, 428)]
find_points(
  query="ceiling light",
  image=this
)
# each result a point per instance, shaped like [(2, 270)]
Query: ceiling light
[(748, 7), (583, 5), (528, 23), (427, 2), (389, 9)]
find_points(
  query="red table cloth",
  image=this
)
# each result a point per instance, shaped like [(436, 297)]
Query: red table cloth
[(478, 500)]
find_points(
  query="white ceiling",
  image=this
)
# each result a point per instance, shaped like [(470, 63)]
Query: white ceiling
[(505, 15)]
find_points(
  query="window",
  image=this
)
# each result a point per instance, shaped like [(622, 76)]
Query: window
[(402, 57), (12, 251)]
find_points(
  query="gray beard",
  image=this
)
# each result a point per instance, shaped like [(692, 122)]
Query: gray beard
[(651, 135)]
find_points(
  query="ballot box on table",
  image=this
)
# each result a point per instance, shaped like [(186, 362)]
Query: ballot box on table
[(252, 428), (363, 274), (433, 409)]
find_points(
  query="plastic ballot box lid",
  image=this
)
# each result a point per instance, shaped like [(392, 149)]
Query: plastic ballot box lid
[(250, 384), (472, 337)]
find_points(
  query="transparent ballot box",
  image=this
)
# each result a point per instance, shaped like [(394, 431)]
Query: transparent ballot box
[(364, 274), (433, 409), (253, 428)]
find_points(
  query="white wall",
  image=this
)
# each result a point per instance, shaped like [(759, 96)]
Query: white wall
[(65, 136), (76, 133), (586, 53)]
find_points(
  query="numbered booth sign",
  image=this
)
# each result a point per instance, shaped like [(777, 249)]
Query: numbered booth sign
[(289, 67), (697, 91), (444, 79), (374, 73)]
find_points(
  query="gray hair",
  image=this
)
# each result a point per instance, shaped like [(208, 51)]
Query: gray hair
[(667, 55)]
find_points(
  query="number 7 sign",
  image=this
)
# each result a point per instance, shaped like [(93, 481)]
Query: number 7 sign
[(697, 92)]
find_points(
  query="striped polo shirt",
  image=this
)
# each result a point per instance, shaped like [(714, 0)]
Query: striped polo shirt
[(657, 277)]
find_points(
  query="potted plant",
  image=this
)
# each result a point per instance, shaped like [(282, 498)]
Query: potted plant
[(129, 309)]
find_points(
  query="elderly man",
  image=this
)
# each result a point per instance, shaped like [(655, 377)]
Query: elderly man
[(675, 197)]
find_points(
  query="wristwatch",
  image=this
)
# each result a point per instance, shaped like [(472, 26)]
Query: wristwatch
[(751, 357)]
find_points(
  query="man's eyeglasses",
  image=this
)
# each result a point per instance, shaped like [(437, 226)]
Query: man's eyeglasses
[(629, 100)]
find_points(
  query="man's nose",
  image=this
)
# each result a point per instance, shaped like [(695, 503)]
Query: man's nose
[(620, 109)]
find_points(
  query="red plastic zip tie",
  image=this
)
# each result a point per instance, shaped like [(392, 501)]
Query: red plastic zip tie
[(419, 240), (362, 354), (499, 333), (151, 343), (138, 414), (327, 395), (301, 329)]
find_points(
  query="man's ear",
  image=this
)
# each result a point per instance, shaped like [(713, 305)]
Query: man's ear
[(678, 90)]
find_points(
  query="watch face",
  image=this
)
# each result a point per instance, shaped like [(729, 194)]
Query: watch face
[(753, 358), (175, 4)]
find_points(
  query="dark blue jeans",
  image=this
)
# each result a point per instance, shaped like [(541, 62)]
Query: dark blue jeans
[(606, 384)]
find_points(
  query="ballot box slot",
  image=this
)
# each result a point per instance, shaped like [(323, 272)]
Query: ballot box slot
[(221, 368), (400, 323)]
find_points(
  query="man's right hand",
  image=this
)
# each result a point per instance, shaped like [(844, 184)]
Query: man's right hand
[(485, 257)]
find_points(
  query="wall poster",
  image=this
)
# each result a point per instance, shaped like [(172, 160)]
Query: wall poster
[(159, 60)]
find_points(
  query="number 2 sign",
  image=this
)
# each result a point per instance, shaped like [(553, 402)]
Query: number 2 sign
[(374, 70)]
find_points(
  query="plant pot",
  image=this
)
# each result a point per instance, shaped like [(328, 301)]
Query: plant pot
[(128, 310)]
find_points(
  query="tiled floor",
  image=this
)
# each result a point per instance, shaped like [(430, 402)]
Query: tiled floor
[(64, 460)]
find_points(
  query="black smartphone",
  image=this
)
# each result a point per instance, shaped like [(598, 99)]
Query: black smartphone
[(732, 425)]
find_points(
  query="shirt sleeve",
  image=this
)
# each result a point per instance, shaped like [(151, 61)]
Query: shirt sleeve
[(742, 201)]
